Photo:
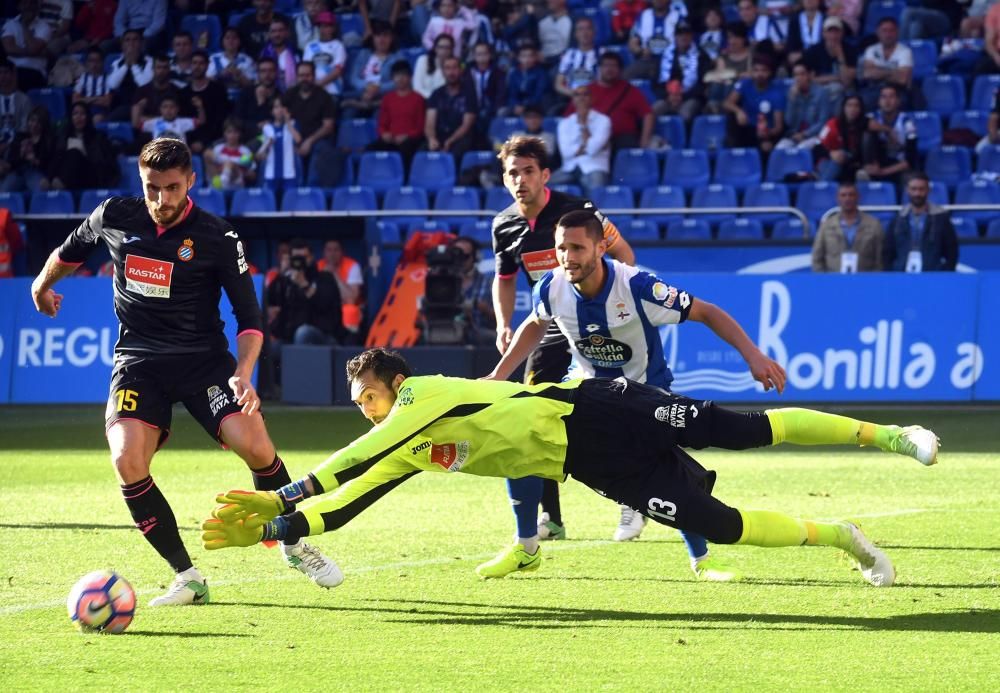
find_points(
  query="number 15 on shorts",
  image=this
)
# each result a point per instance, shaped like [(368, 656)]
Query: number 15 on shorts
[(126, 400)]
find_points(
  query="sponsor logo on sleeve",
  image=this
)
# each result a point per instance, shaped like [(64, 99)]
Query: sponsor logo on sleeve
[(217, 399), (241, 261), (148, 277), (664, 294), (450, 456), (405, 397)]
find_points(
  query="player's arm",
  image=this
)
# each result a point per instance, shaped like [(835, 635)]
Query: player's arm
[(529, 334), (618, 247), (238, 284), (504, 294), (64, 260)]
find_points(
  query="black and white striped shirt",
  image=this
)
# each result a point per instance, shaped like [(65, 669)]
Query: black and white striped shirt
[(90, 85)]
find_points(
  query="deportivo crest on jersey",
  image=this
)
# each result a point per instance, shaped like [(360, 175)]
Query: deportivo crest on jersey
[(450, 456), (148, 277), (186, 251), (405, 397)]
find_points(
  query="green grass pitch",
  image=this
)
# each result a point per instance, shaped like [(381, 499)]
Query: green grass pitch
[(598, 615)]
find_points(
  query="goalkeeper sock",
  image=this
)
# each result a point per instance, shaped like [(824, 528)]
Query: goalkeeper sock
[(696, 545), (773, 529), (154, 518), (525, 494), (550, 500), (810, 427)]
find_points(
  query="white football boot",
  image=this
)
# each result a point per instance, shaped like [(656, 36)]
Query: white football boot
[(917, 442), (188, 587), (874, 565), (309, 561), (630, 525)]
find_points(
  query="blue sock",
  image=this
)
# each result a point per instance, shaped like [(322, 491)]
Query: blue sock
[(696, 544), (525, 495)]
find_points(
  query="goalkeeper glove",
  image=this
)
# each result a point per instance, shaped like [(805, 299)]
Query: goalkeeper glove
[(241, 505), (220, 534)]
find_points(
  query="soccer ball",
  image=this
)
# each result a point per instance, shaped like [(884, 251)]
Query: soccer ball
[(101, 601)]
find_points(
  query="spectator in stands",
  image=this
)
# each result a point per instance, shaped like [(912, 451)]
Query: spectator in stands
[(805, 30), (451, 113), (84, 155), (624, 16), (253, 105), (764, 31), (94, 26), (578, 64), (848, 240), (231, 66), (930, 20), (652, 34), (279, 47), (427, 73), (632, 119), (554, 31), (712, 39), (315, 114), (255, 28), (733, 65), (347, 273), (584, 144), (30, 155), (14, 106), (149, 96), (890, 148), (683, 67), (446, 22), (992, 135), (277, 153), (130, 72), (809, 108), (477, 295), (328, 54), (490, 84), (922, 237), (59, 16), (757, 108), (214, 99), (480, 25), (401, 119), (528, 83), (534, 122), (303, 304), (147, 16), (229, 164), (384, 12), (24, 40), (180, 61), (990, 61), (849, 12), (886, 62), (169, 123), (305, 28), (833, 61), (841, 142), (519, 26), (371, 74), (92, 89)]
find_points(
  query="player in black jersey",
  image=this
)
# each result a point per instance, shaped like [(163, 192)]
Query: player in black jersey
[(524, 239), (171, 262)]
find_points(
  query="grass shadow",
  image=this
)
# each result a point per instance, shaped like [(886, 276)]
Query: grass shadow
[(186, 634), (73, 526)]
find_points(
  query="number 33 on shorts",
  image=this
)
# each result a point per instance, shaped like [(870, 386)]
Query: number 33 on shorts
[(127, 400), (662, 509)]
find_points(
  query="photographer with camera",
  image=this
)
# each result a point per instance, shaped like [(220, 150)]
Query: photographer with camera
[(303, 304), (457, 305), (477, 293)]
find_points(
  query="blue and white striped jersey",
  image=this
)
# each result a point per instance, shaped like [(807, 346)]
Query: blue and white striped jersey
[(615, 333)]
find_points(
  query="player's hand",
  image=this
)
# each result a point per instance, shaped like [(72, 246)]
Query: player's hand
[(241, 505), (767, 372), (47, 302), (504, 338), (218, 534), (246, 394)]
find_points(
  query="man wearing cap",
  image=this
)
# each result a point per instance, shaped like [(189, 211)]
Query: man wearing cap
[(757, 107), (681, 71), (327, 54), (833, 62)]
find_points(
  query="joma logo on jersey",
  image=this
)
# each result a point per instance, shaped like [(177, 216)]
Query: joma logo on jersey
[(148, 277), (423, 446), (450, 456)]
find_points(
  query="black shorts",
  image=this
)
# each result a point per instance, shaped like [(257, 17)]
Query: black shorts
[(145, 388), (624, 441), (548, 363)]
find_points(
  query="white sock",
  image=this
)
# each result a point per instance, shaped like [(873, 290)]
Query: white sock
[(694, 561), (192, 574), (290, 549), (530, 543)]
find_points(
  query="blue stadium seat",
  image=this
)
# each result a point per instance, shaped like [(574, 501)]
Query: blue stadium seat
[(198, 168), (687, 168), (976, 121), (53, 99), (938, 194), (14, 201), (252, 201), (303, 199), (989, 159), (708, 132), (741, 230), (568, 188), (767, 195), (878, 193), (925, 57), (433, 170), (788, 230), (689, 230), (117, 130), (477, 159), (606, 197), (787, 161), (622, 50), (671, 129), (984, 92), (356, 133), (210, 199), (646, 87), (949, 165), (641, 229), (814, 199), (412, 54), (972, 192), (877, 9), (965, 227), (406, 197), (354, 198), (502, 128), (928, 126), (944, 94), (498, 199), (51, 202), (662, 196), (602, 23), (388, 232), (381, 171), (457, 199), (636, 168), (352, 27), (738, 167), (206, 30), (715, 195), (479, 231), (91, 198), (993, 230)]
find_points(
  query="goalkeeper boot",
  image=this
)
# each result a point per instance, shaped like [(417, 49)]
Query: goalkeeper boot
[(712, 569), (510, 560), (630, 525), (309, 561), (913, 441), (549, 530), (874, 565), (189, 587)]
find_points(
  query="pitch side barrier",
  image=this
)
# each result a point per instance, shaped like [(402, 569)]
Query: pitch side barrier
[(842, 338)]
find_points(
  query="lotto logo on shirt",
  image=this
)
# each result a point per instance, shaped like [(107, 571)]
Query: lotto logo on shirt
[(148, 277), (537, 263), (450, 456)]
